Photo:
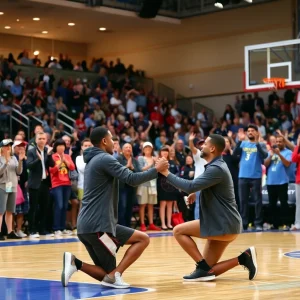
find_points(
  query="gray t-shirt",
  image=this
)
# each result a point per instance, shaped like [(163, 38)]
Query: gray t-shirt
[(218, 213), (9, 173), (99, 212)]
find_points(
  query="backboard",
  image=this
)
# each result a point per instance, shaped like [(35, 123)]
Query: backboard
[(272, 66)]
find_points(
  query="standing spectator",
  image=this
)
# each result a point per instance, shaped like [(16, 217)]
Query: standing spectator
[(147, 192), (127, 192), (22, 208), (166, 193), (80, 165), (117, 149), (38, 163), (232, 162), (277, 163), (10, 168), (61, 186), (252, 155), (180, 152), (195, 144), (296, 159)]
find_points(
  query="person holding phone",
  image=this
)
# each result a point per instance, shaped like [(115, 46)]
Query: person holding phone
[(277, 164)]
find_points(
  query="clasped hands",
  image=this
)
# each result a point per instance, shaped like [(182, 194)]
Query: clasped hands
[(162, 166)]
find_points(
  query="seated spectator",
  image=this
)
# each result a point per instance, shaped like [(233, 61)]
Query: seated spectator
[(5, 110), (36, 61), (60, 106), (99, 115), (261, 127), (90, 122), (54, 65), (7, 83), (80, 125), (51, 102), (25, 60), (188, 171), (78, 67), (27, 107), (39, 111)]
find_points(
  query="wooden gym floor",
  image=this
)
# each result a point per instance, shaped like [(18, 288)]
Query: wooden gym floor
[(31, 270)]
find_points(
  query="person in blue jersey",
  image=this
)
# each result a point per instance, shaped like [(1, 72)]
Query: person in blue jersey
[(252, 155), (278, 163)]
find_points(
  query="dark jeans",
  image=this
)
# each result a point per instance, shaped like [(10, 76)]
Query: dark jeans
[(278, 214), (126, 201), (245, 186), (38, 216), (61, 196)]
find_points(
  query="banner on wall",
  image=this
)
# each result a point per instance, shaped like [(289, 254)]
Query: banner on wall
[(291, 194)]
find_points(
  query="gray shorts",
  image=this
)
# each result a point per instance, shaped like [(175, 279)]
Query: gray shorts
[(99, 253), (7, 202)]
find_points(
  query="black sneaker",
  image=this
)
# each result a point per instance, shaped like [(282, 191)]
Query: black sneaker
[(200, 275), (13, 236), (2, 238), (250, 262)]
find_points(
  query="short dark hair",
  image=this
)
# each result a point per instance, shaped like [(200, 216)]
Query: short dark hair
[(85, 140), (218, 141), (58, 142), (253, 126), (98, 134)]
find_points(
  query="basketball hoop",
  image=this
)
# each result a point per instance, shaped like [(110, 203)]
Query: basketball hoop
[(278, 83)]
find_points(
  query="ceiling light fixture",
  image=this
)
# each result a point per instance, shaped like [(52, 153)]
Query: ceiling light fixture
[(36, 19), (102, 29), (18, 20), (36, 52), (44, 32), (71, 24), (1, 13), (7, 27), (249, 1)]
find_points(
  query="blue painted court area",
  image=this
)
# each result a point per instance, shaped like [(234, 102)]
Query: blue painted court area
[(34, 289), (293, 254)]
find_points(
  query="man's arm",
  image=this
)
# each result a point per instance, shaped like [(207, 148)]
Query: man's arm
[(32, 162), (262, 151), (212, 176), (237, 150), (191, 143), (115, 169)]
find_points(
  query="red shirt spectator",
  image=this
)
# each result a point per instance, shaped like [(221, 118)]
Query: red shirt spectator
[(60, 172)]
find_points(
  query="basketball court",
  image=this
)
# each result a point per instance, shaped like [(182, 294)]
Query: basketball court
[(31, 270)]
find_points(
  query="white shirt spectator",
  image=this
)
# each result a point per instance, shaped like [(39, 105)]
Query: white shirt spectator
[(130, 106), (80, 165), (174, 112), (7, 83), (54, 65), (262, 130), (199, 164), (114, 101)]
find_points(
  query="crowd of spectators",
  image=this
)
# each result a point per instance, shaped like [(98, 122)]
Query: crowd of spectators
[(144, 126)]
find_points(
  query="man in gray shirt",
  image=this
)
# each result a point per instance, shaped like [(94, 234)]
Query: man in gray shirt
[(97, 221), (220, 223)]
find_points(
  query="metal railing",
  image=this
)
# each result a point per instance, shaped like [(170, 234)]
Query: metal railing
[(165, 91), (21, 119), (62, 118)]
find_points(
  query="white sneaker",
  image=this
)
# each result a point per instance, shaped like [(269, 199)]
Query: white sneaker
[(34, 236), (294, 227), (116, 282), (57, 233), (50, 234), (21, 234), (69, 268), (67, 232)]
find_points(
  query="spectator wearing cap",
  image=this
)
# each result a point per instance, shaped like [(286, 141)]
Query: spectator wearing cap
[(126, 192), (147, 192), (252, 155), (10, 169), (195, 146), (277, 164), (22, 208)]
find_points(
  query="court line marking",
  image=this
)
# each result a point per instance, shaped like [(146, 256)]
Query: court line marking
[(30, 278)]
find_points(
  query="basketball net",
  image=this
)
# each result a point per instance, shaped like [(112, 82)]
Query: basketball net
[(278, 83)]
